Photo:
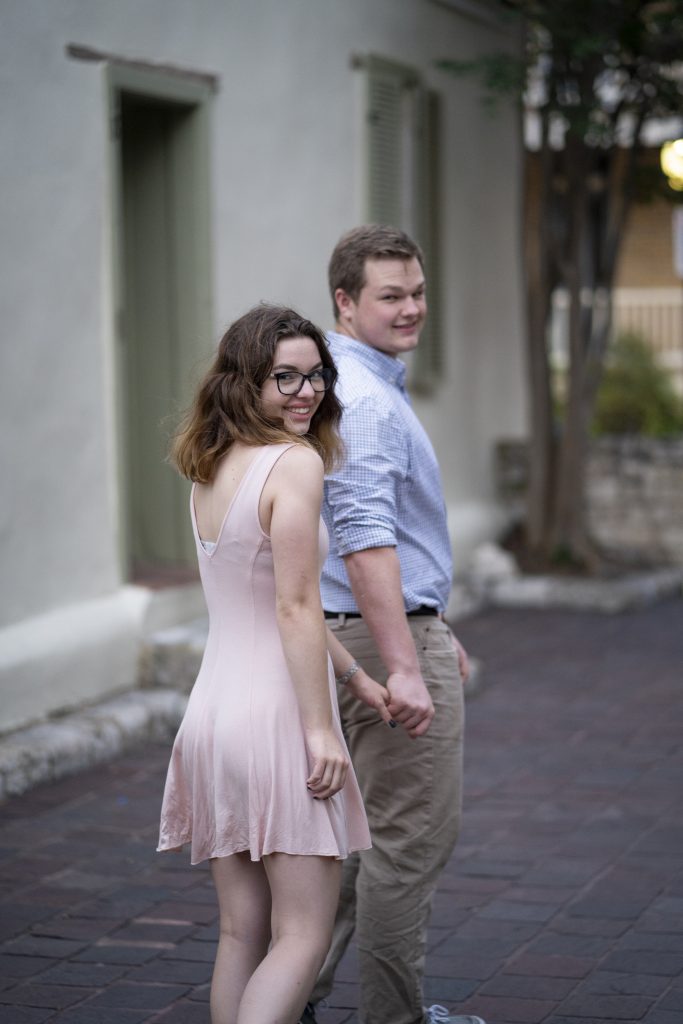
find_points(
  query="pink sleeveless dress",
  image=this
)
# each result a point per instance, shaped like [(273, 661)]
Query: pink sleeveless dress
[(237, 775)]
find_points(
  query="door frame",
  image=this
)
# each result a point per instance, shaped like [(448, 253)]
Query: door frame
[(195, 310)]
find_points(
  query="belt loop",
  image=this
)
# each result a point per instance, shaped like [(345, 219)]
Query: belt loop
[(342, 618)]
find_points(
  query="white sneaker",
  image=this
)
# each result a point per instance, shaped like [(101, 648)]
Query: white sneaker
[(437, 1014)]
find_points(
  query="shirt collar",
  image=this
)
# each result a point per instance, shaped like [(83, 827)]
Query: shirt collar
[(388, 368)]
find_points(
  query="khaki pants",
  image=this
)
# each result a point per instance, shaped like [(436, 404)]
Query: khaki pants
[(412, 793)]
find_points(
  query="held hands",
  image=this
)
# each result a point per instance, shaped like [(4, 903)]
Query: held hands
[(410, 704), (330, 763), (370, 692)]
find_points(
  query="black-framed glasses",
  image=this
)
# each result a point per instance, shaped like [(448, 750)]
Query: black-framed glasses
[(290, 382)]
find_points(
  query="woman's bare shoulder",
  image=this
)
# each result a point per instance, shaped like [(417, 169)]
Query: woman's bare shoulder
[(297, 475), (301, 459), (294, 486)]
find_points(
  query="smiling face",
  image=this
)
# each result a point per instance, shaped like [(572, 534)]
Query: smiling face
[(391, 308), (300, 355)]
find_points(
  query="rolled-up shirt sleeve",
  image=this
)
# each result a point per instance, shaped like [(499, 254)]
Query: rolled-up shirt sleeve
[(362, 493)]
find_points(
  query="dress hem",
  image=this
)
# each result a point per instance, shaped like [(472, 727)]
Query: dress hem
[(255, 856)]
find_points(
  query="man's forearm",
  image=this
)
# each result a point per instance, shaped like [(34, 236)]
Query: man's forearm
[(375, 578)]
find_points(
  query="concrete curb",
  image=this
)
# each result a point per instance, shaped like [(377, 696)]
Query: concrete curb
[(637, 590), (50, 751)]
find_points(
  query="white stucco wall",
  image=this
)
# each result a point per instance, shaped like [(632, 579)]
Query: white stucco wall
[(481, 396), (57, 527), (284, 159)]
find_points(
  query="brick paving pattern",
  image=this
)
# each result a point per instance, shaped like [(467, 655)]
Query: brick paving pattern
[(562, 905)]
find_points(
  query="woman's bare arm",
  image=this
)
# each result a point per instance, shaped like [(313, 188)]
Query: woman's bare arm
[(291, 502)]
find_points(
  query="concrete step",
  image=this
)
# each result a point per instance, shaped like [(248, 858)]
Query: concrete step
[(171, 657)]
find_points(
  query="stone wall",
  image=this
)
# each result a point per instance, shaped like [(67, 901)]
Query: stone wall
[(635, 497), (634, 494)]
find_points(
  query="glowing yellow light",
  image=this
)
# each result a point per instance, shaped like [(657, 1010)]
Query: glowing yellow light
[(671, 160)]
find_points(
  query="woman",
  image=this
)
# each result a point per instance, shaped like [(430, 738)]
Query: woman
[(260, 781)]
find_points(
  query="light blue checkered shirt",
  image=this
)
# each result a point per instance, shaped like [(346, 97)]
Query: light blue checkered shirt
[(388, 491)]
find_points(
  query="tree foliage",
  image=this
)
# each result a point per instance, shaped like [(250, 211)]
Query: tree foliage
[(636, 395), (589, 78)]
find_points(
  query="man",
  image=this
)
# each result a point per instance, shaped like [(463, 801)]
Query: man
[(385, 587)]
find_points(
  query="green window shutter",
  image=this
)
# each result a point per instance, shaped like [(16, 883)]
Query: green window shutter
[(428, 364), (389, 100), (402, 133)]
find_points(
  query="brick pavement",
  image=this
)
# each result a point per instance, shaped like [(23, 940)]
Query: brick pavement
[(562, 905)]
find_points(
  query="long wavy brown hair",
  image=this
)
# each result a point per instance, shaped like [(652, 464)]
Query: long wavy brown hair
[(227, 405)]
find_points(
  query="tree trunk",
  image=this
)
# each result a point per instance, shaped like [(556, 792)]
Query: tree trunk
[(538, 291), (567, 536), (596, 216)]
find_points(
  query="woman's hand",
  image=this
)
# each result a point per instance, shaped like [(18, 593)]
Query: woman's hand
[(330, 763), (370, 692)]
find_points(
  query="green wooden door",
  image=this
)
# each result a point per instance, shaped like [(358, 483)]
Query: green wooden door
[(164, 320)]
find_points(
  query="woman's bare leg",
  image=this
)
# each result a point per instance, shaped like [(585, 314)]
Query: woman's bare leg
[(244, 902), (305, 893)]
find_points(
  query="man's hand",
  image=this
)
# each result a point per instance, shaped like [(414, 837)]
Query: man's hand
[(463, 660), (410, 704), (375, 578)]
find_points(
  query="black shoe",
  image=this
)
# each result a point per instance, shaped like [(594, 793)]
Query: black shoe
[(308, 1014)]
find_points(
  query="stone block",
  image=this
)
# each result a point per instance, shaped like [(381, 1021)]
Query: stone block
[(45, 753)]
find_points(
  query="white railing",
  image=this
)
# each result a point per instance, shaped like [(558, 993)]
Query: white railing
[(654, 313)]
